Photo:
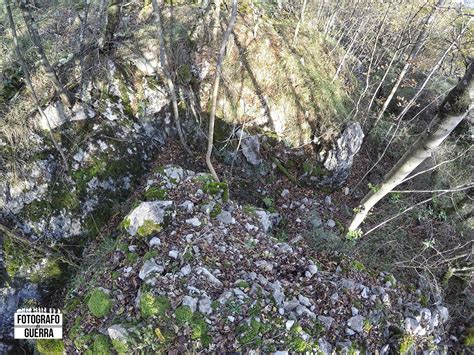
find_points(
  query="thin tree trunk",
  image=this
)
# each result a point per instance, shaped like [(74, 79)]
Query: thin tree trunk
[(65, 96), (303, 8), (217, 19), (420, 40), (220, 60), (346, 54), (114, 9), (168, 79), (26, 73), (453, 110), (367, 77)]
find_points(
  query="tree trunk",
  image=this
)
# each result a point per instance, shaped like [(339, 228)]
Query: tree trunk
[(29, 84), (166, 71), (65, 96), (420, 40), (113, 19), (303, 8), (452, 111), (220, 60)]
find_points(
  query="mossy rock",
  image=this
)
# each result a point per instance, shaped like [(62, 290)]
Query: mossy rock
[(183, 315), (99, 303), (50, 346), (153, 306), (101, 345), (148, 228), (120, 346)]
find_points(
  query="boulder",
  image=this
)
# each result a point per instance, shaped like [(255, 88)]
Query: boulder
[(340, 157)]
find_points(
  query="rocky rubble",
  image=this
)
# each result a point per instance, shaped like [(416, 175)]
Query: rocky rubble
[(210, 277)]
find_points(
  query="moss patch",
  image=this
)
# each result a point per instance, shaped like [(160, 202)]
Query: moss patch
[(99, 303), (50, 346), (148, 228), (153, 306), (101, 345)]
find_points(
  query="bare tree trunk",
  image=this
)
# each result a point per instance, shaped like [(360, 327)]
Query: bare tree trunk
[(217, 19), (168, 79), (113, 19), (452, 111), (346, 54), (303, 8), (420, 40), (24, 67), (65, 96), (371, 62), (220, 60)]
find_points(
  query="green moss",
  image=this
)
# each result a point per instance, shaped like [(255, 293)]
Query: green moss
[(358, 266), (300, 345), (155, 193), (214, 188), (150, 254), (51, 272), (101, 345), (469, 339), (120, 346), (406, 344), (252, 333), (153, 306), (183, 314), (243, 284), (37, 210), (249, 209), (199, 328), (148, 228), (132, 257), (50, 346), (99, 303), (215, 211)]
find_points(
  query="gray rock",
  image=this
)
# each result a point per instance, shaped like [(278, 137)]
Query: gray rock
[(443, 313), (340, 157), (195, 222), (210, 277), (190, 302), (150, 267), (225, 217), (205, 305), (54, 116), (154, 211), (118, 332), (304, 300), (289, 324), (154, 242), (187, 206), (326, 321), (324, 346), (331, 223), (173, 254), (313, 269), (267, 220), (285, 193), (185, 270), (251, 148), (356, 323), (277, 292)]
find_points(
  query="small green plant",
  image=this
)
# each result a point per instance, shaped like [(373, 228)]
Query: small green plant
[(50, 346), (367, 326), (99, 303), (155, 193), (395, 196), (406, 344), (469, 339), (183, 314), (101, 345), (357, 265), (373, 188), (354, 234), (151, 305)]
